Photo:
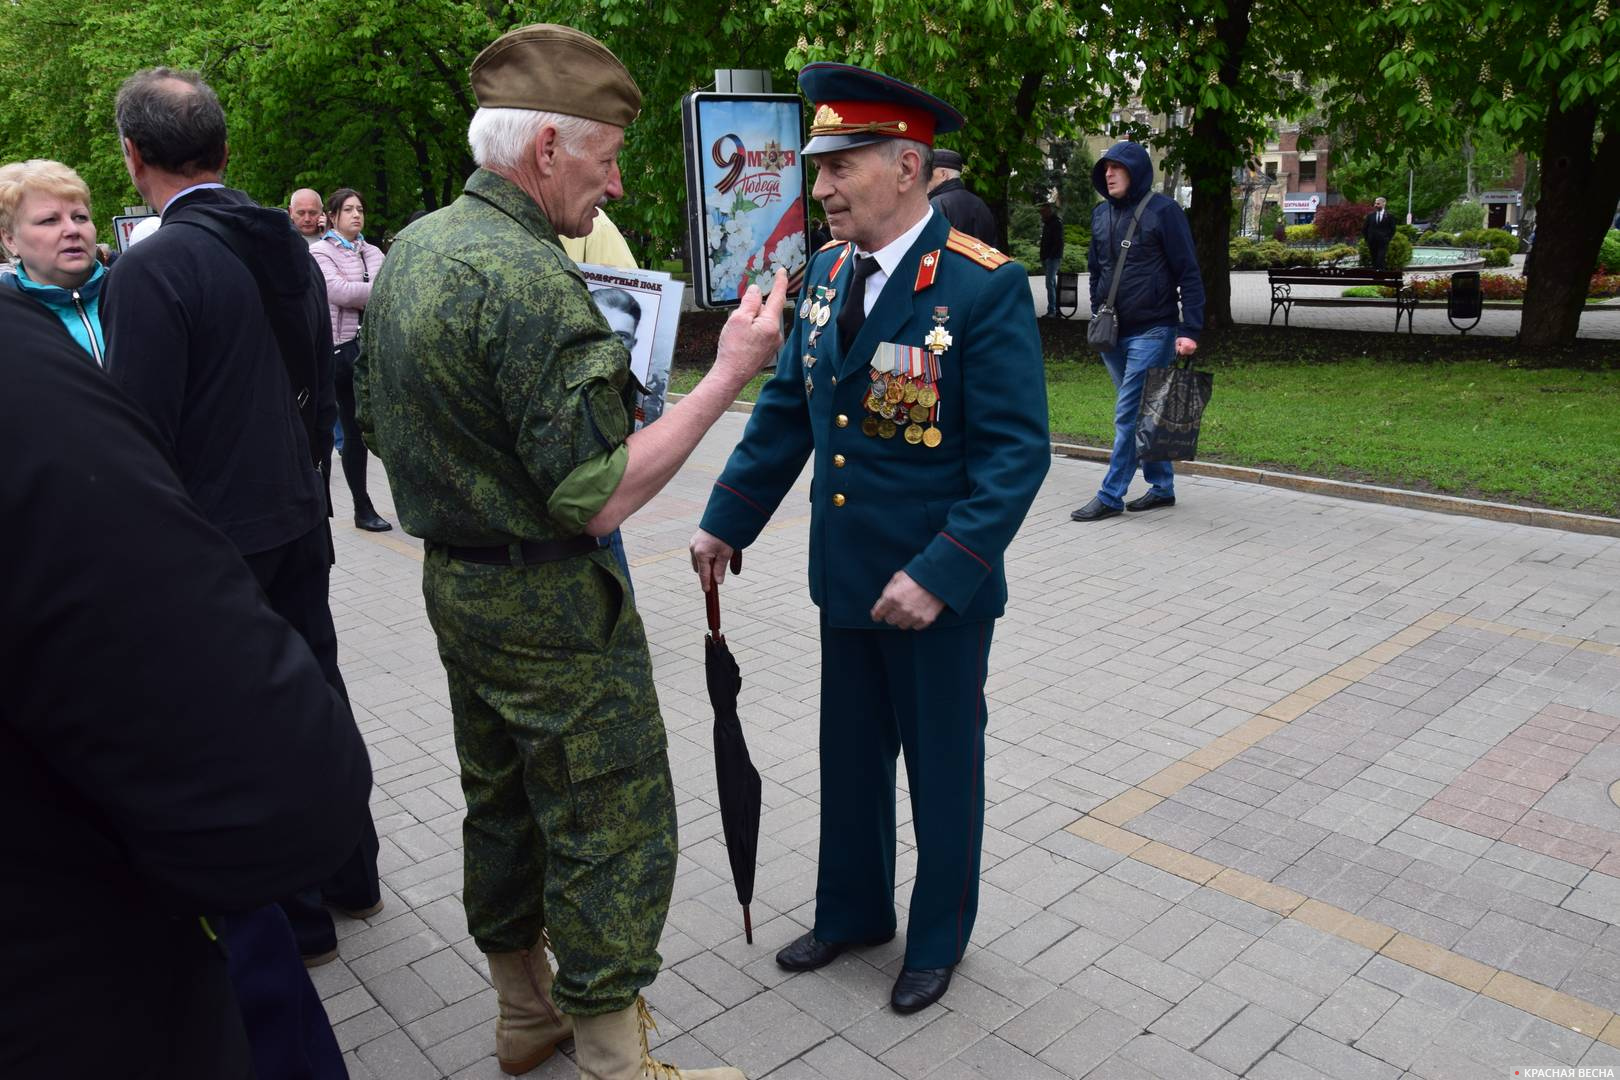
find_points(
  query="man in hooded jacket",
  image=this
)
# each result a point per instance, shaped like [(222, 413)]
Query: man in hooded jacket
[(192, 344), (1159, 276)]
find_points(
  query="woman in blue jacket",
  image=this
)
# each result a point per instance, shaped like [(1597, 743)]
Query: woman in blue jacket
[(48, 235)]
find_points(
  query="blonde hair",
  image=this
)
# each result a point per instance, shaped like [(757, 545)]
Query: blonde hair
[(36, 176)]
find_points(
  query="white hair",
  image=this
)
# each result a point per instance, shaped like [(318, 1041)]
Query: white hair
[(893, 148), (501, 138)]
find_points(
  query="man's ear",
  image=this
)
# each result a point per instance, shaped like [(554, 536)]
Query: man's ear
[(910, 166), (545, 150), (131, 154)]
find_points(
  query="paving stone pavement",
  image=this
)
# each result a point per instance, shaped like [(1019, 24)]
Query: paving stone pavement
[(1279, 786)]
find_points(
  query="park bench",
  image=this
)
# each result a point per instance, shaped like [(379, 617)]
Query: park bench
[(1283, 280)]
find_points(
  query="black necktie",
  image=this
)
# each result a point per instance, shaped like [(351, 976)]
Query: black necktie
[(852, 316)]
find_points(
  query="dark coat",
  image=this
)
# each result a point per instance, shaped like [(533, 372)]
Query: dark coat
[(964, 210), (1051, 237), (1161, 272), (1378, 233), (168, 746), (188, 340)]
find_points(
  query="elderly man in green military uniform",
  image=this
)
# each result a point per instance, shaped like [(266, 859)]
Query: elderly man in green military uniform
[(913, 379), (499, 400)]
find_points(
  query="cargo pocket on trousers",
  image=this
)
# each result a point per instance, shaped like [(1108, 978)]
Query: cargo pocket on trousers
[(619, 786)]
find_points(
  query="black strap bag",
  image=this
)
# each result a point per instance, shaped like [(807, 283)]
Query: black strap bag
[(1102, 333), (1173, 403)]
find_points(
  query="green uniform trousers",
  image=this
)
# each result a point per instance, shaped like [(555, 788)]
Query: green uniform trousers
[(570, 808)]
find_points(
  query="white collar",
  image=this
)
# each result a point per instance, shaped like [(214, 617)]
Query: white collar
[(890, 254)]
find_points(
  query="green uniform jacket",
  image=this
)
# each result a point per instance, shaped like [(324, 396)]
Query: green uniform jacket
[(488, 382), (944, 514)]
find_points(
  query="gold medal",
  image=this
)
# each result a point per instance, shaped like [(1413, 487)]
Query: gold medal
[(869, 426), (911, 393), (927, 398), (914, 434), (918, 413), (894, 393), (886, 428), (932, 437)]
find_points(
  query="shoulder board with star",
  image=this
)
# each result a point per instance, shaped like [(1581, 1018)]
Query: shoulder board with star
[(975, 249), (829, 245)]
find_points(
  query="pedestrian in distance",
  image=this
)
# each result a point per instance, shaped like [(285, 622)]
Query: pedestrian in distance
[(349, 264), (913, 379), (1378, 230), (1159, 308), (501, 402), (1051, 254)]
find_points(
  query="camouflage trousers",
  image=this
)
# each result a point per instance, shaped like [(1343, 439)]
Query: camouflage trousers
[(570, 808)]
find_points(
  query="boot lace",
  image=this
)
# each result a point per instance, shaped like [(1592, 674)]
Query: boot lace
[(655, 1069)]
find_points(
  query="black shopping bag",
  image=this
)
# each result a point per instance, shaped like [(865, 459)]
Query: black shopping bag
[(1173, 401)]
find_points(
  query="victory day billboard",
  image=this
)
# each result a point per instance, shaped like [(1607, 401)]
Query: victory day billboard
[(745, 192)]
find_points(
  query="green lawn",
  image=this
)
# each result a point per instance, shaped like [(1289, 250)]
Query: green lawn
[(1547, 437)]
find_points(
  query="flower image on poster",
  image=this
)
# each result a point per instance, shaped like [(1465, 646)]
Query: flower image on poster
[(746, 192), (643, 309)]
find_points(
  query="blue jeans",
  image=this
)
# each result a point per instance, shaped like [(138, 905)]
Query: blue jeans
[(1051, 268), (1128, 366)]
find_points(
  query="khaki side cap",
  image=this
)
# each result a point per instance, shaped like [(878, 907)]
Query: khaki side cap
[(557, 69)]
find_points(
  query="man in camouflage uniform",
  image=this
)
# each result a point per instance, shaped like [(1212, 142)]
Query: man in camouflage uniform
[(493, 390)]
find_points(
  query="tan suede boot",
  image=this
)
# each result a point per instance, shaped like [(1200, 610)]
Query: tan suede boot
[(614, 1047), (529, 1027)]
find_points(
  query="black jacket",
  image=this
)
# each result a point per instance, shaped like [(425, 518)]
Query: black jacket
[(189, 342), (1378, 233), (1052, 238), (1161, 275), (964, 210), (168, 746)]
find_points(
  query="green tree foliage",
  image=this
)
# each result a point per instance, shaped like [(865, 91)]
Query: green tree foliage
[(1462, 217), (1542, 75)]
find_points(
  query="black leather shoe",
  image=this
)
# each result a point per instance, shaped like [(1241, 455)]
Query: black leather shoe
[(1095, 510), (809, 952), (918, 988), (371, 521), (1150, 501)]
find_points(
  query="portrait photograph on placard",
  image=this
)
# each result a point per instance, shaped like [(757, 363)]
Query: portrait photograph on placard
[(745, 192), (643, 309)]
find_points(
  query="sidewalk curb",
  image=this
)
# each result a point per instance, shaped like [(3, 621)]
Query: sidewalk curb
[(1344, 489)]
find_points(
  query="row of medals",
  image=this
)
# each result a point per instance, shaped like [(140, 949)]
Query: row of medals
[(898, 403)]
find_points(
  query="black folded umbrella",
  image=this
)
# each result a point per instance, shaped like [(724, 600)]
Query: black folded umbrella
[(737, 778)]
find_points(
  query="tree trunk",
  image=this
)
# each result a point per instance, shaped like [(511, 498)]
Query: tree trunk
[(1209, 169), (1579, 189)]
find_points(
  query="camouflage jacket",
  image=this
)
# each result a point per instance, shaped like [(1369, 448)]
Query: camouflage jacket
[(488, 382)]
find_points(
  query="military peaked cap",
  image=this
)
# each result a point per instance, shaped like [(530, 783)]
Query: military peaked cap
[(551, 68), (855, 107)]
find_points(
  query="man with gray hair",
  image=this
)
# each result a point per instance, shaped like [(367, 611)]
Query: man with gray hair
[(500, 400), (304, 208)]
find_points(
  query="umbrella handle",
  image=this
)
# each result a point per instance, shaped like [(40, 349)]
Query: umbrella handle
[(711, 599)]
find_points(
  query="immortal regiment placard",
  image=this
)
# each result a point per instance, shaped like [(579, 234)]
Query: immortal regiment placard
[(745, 192), (643, 307)]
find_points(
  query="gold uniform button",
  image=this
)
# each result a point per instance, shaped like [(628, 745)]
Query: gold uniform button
[(838, 461), (838, 499), (841, 420)]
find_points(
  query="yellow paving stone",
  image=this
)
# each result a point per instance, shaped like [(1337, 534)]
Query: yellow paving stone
[(1216, 754), (1109, 836), (1472, 623), (1254, 729), (1124, 807), (1611, 1034), (1264, 894), (1564, 640), (1289, 708), (1412, 635), (1323, 688), (1437, 620), (1441, 963), (1549, 1004), (1341, 923), (1532, 635), (1383, 653), (1597, 647), (1517, 991), (1172, 778), (1355, 670), (1180, 863)]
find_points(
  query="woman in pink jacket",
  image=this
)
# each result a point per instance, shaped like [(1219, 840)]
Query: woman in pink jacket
[(349, 265)]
